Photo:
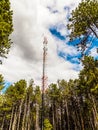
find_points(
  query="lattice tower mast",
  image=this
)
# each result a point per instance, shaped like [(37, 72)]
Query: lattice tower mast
[(44, 77), (44, 81)]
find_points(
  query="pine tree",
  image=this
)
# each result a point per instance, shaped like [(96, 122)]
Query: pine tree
[(6, 27), (47, 125)]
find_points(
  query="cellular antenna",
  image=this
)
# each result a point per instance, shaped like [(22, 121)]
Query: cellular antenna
[(44, 80)]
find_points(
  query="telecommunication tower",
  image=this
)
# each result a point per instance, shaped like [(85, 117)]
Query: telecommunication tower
[(44, 81), (44, 77)]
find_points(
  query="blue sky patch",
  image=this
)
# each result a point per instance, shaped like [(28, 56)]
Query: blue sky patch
[(62, 54), (92, 42), (6, 85), (74, 42), (74, 59), (55, 33)]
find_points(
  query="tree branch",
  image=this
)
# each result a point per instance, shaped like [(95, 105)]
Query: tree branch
[(93, 31)]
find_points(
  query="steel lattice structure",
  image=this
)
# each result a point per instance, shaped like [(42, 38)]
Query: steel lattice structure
[(44, 81)]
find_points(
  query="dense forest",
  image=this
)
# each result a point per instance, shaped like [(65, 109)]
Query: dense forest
[(71, 105), (68, 105)]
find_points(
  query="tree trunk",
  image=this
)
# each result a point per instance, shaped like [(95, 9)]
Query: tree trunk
[(24, 114), (67, 112), (28, 114), (53, 116), (19, 115), (14, 120), (95, 113), (29, 123), (37, 117), (11, 121), (62, 117), (3, 122), (82, 122), (93, 31), (75, 119), (91, 123)]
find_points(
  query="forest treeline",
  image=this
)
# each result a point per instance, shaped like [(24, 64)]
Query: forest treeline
[(68, 105)]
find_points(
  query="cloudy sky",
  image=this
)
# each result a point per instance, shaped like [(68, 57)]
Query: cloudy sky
[(34, 19)]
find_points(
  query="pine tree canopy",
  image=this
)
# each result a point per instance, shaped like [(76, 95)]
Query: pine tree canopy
[(6, 27), (84, 19)]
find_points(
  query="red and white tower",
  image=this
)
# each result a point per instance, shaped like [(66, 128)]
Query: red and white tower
[(44, 82)]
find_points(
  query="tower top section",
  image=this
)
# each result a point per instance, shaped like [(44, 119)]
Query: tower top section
[(45, 40)]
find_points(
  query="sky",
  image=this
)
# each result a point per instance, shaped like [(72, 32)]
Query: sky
[(32, 20)]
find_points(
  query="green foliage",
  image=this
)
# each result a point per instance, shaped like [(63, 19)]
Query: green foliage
[(20, 88), (1, 82), (53, 92), (47, 125), (89, 75), (95, 90), (84, 19), (16, 91), (6, 27), (37, 95)]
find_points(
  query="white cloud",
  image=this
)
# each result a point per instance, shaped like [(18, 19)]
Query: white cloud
[(32, 20), (71, 50)]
